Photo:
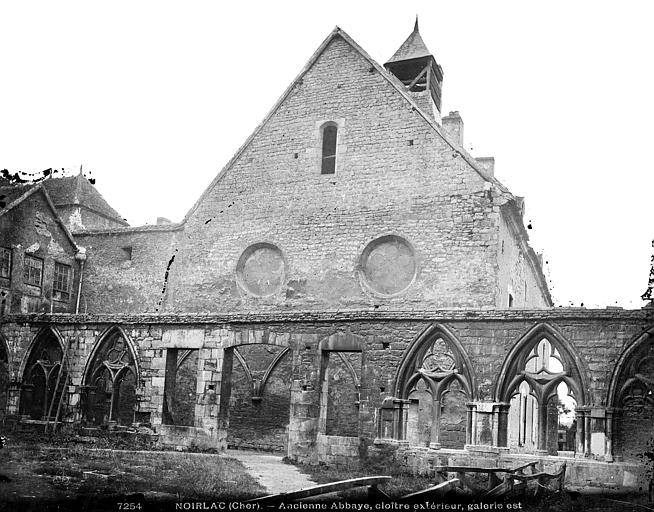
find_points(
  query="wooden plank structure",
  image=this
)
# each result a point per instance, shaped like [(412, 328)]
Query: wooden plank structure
[(431, 492), (514, 480), (369, 481)]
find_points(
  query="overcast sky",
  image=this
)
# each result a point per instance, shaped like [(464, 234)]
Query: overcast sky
[(153, 98)]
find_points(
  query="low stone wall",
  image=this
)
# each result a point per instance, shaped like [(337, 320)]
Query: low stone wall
[(580, 472), (183, 438), (337, 449)]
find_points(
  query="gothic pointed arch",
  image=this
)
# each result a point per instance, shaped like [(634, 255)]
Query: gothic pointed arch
[(110, 380), (576, 370), (43, 375), (114, 330), (543, 380), (45, 332), (631, 395), (435, 380), (255, 397), (422, 346)]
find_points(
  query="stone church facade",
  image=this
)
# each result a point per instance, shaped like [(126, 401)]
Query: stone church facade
[(353, 282)]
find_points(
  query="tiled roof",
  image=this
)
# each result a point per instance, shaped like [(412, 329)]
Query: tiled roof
[(414, 47), (77, 190), (9, 193)]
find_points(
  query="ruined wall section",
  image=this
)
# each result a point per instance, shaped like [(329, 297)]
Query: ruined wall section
[(395, 176), (125, 271), (518, 275), (31, 228), (598, 338), (78, 218)]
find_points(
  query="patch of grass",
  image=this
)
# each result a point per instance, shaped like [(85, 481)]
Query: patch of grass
[(50, 474)]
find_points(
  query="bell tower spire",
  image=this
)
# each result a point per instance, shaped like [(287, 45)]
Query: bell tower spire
[(418, 70)]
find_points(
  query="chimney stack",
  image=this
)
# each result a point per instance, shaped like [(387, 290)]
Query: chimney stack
[(453, 126)]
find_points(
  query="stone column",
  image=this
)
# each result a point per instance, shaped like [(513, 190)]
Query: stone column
[(401, 411), (469, 423), (609, 435), (434, 442), (305, 401), (13, 398), (587, 434), (502, 422), (580, 441), (221, 395), (541, 446)]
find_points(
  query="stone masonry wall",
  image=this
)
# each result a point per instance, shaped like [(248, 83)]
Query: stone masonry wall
[(515, 275), (395, 175), (597, 338), (31, 228), (126, 269)]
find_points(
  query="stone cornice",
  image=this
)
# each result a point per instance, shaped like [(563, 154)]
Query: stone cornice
[(645, 315)]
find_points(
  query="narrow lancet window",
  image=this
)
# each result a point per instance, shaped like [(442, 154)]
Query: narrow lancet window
[(329, 149)]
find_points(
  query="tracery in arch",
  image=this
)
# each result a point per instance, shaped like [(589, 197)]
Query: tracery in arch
[(634, 398), (437, 391), (543, 401), (111, 382), (43, 378)]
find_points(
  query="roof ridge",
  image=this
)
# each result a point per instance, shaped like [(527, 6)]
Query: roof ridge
[(338, 31)]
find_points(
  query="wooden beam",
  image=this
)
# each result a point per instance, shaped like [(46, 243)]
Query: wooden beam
[(317, 490)]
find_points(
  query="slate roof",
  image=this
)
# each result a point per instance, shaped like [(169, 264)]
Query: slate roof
[(413, 48), (9, 193), (77, 190)]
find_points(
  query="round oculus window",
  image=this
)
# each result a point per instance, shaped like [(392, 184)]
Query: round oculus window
[(388, 265), (261, 270)]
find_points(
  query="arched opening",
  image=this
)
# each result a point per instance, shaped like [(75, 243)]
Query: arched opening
[(632, 394), (44, 378), (110, 382), (329, 143), (256, 400), (434, 379), (341, 393), (543, 386)]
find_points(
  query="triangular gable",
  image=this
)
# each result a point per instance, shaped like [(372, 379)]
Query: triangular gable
[(55, 214), (399, 87)]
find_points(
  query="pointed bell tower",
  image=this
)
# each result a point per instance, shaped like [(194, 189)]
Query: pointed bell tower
[(416, 67)]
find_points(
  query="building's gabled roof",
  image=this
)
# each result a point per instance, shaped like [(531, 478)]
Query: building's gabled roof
[(9, 193), (21, 192), (397, 84), (413, 48), (78, 191)]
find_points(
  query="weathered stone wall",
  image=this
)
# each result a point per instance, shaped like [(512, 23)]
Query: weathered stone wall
[(516, 273), (31, 228), (597, 340), (125, 271), (79, 218), (395, 175), (342, 383), (258, 409)]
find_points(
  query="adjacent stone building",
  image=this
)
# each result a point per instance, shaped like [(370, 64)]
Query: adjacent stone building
[(352, 283)]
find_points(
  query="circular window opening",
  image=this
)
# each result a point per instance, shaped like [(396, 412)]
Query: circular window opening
[(388, 265), (261, 270)]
